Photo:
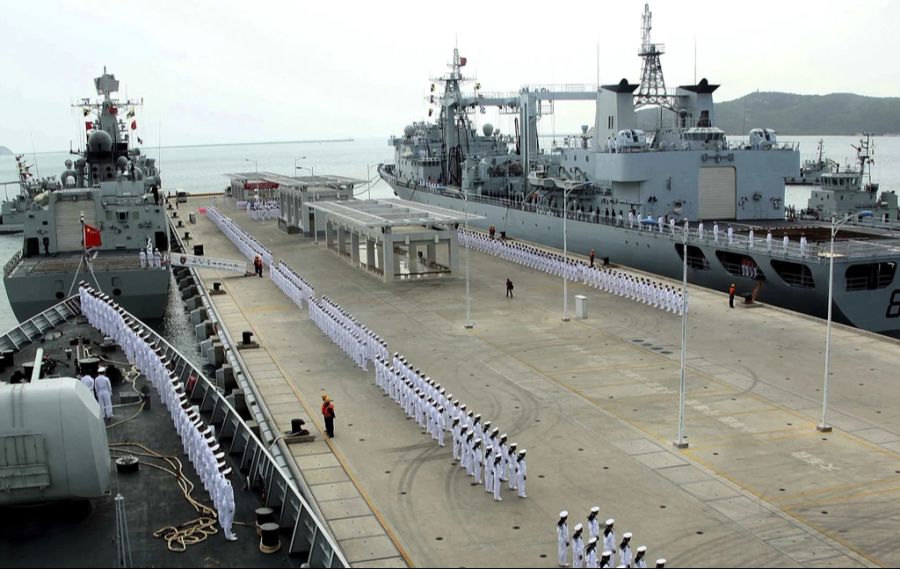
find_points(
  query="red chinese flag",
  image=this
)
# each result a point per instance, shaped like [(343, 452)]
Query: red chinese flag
[(133, 125), (91, 237), (88, 125)]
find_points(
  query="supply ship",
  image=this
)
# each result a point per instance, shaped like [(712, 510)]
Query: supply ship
[(644, 199)]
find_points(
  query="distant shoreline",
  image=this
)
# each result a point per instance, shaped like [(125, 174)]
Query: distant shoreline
[(217, 145)]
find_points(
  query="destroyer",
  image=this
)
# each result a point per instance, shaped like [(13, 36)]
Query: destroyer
[(641, 199), (93, 222)]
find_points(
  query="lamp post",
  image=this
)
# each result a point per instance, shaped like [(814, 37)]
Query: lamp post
[(680, 442), (469, 323), (295, 162), (823, 426), (312, 171), (566, 254), (255, 163)]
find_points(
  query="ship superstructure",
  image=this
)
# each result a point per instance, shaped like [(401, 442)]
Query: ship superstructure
[(628, 193), (112, 190)]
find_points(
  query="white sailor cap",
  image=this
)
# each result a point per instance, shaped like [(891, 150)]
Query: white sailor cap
[(513, 446), (660, 562), (595, 510), (496, 431), (478, 416), (503, 437), (522, 452), (578, 528), (564, 514), (477, 442), (606, 553), (627, 535), (642, 549), (592, 541), (610, 522), (101, 369)]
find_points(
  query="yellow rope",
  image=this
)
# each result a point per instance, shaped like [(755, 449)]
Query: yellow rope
[(177, 538)]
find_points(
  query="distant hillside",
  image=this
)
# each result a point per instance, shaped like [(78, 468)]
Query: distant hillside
[(4, 151), (835, 114)]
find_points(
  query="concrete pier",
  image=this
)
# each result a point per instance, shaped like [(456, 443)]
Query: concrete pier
[(595, 403)]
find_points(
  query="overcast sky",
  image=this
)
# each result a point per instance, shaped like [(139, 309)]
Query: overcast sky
[(217, 71)]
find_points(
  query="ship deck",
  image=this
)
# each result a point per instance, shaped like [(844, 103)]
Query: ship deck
[(69, 262), (595, 403), (83, 534)]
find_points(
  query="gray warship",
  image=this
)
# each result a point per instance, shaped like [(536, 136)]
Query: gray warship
[(111, 191), (852, 190), (684, 171), (811, 171)]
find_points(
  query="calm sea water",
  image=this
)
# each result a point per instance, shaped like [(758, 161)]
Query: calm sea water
[(198, 169)]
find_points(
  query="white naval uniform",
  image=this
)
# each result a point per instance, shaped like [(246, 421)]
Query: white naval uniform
[(578, 551), (103, 389), (562, 543)]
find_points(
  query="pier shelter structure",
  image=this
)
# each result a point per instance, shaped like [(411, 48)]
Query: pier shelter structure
[(391, 238)]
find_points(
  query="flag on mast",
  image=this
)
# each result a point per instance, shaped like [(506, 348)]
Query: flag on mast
[(92, 238)]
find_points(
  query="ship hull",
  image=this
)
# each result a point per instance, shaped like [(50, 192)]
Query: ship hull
[(144, 293), (657, 253)]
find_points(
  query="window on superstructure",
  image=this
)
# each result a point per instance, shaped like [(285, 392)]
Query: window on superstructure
[(870, 276), (794, 274)]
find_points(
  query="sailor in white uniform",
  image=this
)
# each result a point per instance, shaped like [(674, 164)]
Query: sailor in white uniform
[(769, 240), (639, 559), (578, 547), (593, 522), (88, 381), (225, 507), (103, 389), (562, 538), (522, 473), (625, 550), (498, 477), (143, 257), (609, 540), (590, 554), (716, 231)]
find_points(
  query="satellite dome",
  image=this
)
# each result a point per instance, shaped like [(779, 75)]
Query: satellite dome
[(122, 163), (408, 131), (100, 142), (487, 129)]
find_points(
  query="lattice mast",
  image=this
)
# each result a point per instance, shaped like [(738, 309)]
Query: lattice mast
[(653, 85)]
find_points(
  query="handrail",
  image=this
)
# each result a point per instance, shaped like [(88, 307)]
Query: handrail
[(812, 252), (12, 263)]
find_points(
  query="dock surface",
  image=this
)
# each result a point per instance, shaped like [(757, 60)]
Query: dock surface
[(595, 403)]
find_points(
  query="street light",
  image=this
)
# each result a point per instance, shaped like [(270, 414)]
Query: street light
[(469, 323), (566, 255), (255, 163), (680, 442), (823, 426), (312, 171)]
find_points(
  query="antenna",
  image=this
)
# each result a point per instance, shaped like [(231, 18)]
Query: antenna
[(598, 63), (695, 60), (653, 85), (37, 170)]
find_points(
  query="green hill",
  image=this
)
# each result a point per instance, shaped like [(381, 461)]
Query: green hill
[(787, 113)]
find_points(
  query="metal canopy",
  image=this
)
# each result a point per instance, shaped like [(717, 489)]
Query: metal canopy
[(390, 213), (327, 181)]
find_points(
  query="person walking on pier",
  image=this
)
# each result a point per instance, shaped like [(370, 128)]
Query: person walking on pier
[(592, 256), (509, 289), (732, 290), (328, 414), (258, 266)]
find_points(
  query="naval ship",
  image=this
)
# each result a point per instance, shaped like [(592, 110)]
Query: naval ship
[(685, 171), (92, 223)]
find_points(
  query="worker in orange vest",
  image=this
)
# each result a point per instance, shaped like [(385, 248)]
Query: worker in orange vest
[(731, 292)]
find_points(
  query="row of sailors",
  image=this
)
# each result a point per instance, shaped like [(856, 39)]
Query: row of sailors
[(639, 289), (247, 245), (373, 345), (260, 210), (292, 284), (198, 440), (152, 259), (751, 237), (587, 555), (477, 447), (343, 336)]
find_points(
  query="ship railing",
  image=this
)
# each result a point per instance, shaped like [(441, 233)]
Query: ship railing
[(561, 88), (12, 264), (813, 252)]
